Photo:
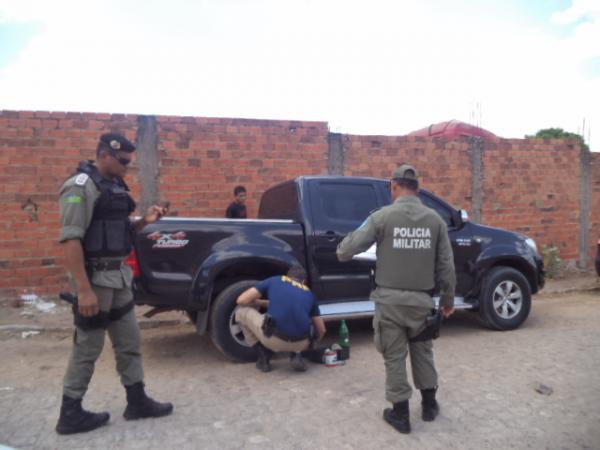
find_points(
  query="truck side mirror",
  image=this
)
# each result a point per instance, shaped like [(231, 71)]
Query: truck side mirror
[(460, 218)]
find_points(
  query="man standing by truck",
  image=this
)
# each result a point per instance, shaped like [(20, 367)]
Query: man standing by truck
[(96, 235), (286, 327), (413, 254)]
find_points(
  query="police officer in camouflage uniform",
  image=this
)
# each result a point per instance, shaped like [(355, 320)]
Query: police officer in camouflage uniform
[(96, 235), (413, 254)]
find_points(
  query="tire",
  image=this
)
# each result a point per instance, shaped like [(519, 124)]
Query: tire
[(505, 299), (224, 331)]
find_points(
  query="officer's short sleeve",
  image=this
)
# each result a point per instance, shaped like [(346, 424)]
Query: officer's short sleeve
[(360, 239), (315, 311), (77, 198)]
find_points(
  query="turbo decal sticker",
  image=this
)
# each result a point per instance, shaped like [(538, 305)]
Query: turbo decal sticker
[(168, 240)]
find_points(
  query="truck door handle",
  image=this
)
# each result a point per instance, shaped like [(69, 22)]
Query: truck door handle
[(331, 236)]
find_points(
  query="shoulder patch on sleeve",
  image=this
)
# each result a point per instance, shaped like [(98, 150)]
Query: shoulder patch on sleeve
[(81, 179), (362, 225), (73, 199)]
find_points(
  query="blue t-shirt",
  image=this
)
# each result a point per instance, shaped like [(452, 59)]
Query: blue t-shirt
[(291, 304)]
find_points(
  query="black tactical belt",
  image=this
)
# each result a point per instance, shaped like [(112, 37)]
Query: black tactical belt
[(100, 320), (103, 266), (269, 330)]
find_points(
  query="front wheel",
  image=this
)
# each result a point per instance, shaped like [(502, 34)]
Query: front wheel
[(505, 299), (225, 332)]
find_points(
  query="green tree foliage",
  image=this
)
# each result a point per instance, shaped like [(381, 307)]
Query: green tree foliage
[(558, 133)]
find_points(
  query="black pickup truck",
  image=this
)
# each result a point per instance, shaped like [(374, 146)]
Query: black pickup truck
[(202, 265)]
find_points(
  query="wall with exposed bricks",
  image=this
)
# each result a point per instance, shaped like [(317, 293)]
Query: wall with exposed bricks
[(595, 204), (528, 186), (533, 187), (445, 167), (202, 160)]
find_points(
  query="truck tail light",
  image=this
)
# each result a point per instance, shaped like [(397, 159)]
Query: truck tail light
[(134, 263)]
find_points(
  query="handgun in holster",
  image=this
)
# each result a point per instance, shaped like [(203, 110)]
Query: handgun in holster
[(100, 320), (433, 323), (268, 325)]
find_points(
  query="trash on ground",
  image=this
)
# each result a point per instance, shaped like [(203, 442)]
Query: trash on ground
[(544, 389), (26, 334), (32, 299), (45, 306), (29, 297)]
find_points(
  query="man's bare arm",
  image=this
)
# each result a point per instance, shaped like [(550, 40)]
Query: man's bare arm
[(153, 214), (249, 297), (320, 326)]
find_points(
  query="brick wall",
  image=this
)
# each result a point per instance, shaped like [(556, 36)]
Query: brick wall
[(595, 216), (531, 186), (201, 161), (445, 167), (38, 150)]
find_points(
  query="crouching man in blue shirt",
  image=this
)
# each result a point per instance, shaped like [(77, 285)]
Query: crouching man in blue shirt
[(287, 326)]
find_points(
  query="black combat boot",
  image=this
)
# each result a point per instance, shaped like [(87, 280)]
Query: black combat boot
[(297, 362), (264, 357), (140, 406), (74, 419), (398, 417), (429, 404)]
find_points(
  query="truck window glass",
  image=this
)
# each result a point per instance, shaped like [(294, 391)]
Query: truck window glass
[(346, 205), (280, 202), (443, 212)]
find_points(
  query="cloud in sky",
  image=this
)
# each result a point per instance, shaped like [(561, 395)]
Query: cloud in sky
[(382, 67)]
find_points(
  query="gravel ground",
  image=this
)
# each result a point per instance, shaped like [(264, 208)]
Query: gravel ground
[(487, 390)]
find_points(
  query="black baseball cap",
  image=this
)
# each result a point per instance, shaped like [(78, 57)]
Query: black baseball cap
[(117, 142)]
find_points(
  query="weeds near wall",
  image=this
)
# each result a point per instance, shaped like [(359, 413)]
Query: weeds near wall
[(553, 265)]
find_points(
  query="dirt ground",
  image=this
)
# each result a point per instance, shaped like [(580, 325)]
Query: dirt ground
[(487, 386)]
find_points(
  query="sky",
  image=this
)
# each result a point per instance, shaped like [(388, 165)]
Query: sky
[(365, 67)]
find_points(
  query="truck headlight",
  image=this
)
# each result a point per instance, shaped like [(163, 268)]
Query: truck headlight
[(531, 244)]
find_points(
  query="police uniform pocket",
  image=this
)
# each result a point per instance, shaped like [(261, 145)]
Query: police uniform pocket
[(94, 236), (377, 335), (116, 235)]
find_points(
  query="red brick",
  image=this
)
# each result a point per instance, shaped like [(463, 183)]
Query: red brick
[(202, 159)]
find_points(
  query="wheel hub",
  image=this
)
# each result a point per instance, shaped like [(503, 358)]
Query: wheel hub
[(507, 299)]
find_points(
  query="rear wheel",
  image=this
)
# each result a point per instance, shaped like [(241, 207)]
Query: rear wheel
[(505, 299), (225, 332)]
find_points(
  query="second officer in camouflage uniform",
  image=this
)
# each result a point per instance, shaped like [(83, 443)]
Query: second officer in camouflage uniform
[(96, 235), (413, 254)]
